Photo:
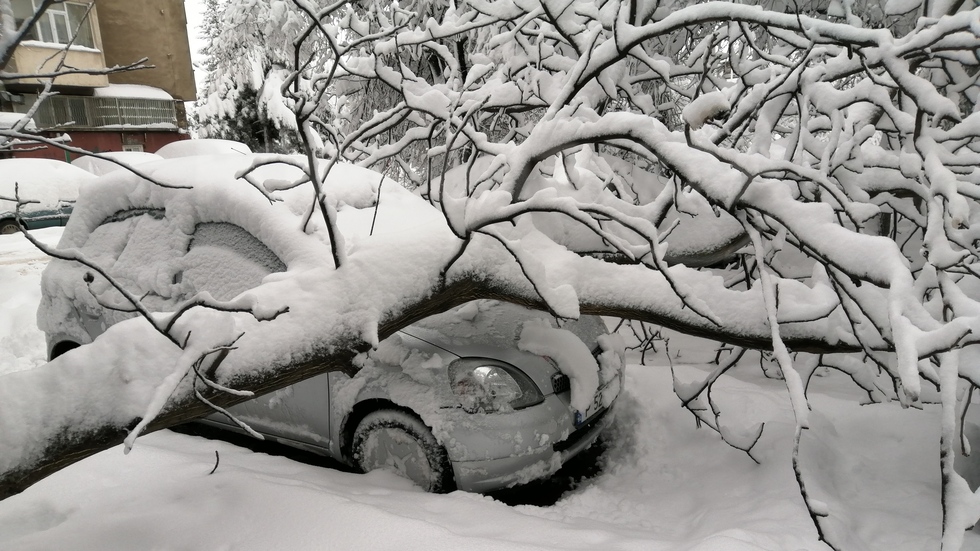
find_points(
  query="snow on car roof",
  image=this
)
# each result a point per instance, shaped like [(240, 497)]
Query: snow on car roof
[(210, 191), (44, 180), (187, 148), (102, 165)]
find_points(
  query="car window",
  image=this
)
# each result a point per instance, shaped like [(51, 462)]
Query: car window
[(110, 239), (138, 249), (106, 242), (225, 260), (141, 250), (146, 262)]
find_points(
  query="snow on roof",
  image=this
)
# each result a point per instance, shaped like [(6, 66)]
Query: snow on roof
[(58, 46), (8, 120), (132, 91)]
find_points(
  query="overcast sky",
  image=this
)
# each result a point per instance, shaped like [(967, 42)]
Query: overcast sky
[(194, 10)]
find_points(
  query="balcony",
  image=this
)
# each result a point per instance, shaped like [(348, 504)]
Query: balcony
[(83, 112), (32, 56)]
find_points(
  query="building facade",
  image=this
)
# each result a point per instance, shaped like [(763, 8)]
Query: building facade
[(133, 110)]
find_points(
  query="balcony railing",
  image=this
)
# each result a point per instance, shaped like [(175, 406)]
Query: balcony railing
[(98, 112)]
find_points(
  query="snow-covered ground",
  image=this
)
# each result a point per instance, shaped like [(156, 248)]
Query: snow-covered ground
[(665, 483)]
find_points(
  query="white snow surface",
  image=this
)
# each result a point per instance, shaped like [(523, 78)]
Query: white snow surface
[(45, 182), (103, 163), (665, 485), (571, 355), (209, 146), (705, 108), (140, 91)]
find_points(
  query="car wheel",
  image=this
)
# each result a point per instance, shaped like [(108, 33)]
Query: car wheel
[(8, 227), (400, 441)]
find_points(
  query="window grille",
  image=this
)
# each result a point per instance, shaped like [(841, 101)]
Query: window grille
[(96, 112)]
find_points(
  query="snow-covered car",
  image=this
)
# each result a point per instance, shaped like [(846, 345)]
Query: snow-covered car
[(484, 396), (103, 163), (202, 146), (46, 189)]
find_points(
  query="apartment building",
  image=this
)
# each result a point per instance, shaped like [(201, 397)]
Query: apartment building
[(139, 110)]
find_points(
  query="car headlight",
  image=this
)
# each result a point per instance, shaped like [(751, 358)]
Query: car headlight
[(486, 385)]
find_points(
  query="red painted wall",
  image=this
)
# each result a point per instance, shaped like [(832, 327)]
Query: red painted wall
[(98, 142)]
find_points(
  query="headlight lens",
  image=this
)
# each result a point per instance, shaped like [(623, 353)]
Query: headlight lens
[(485, 385)]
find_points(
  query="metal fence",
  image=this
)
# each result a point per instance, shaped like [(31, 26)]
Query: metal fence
[(95, 112)]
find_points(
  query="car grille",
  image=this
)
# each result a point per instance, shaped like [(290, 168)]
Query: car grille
[(560, 383)]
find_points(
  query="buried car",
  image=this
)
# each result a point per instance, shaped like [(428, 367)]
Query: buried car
[(484, 396), (45, 188)]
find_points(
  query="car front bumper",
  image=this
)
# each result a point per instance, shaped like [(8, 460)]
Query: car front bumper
[(483, 475)]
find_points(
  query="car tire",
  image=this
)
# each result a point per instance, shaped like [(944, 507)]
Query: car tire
[(397, 440), (8, 227)]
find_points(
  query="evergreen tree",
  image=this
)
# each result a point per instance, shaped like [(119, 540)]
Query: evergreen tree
[(246, 60)]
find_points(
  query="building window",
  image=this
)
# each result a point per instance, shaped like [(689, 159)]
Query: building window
[(95, 112), (133, 147), (59, 24)]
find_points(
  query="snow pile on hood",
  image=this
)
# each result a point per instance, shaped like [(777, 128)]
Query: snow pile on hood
[(493, 322)]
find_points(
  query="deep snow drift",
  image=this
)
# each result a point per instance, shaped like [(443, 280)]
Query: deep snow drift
[(665, 483)]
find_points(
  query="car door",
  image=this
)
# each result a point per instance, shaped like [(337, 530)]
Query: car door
[(226, 260), (299, 413)]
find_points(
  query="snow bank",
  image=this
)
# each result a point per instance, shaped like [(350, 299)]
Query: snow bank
[(21, 344), (665, 486)]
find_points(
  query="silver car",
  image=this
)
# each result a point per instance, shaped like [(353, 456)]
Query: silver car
[(450, 402)]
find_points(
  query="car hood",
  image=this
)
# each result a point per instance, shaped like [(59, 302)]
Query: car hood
[(492, 329)]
